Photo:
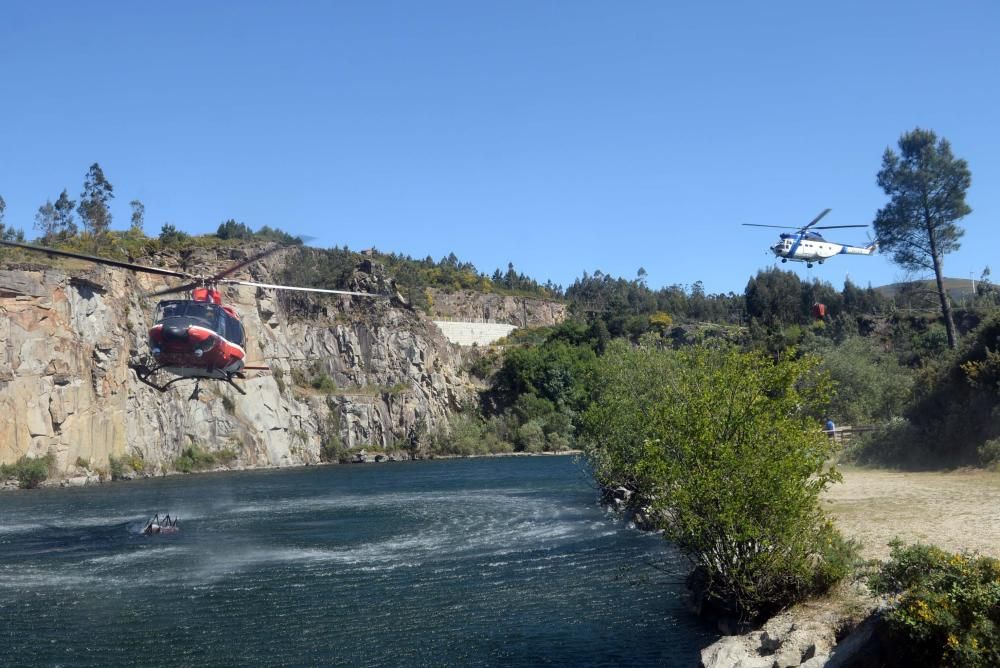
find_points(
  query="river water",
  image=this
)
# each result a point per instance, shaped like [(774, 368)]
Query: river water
[(500, 561)]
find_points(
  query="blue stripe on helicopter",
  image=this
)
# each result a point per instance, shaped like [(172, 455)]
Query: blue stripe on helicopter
[(795, 244)]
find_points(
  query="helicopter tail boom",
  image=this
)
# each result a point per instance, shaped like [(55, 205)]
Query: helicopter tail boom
[(860, 250)]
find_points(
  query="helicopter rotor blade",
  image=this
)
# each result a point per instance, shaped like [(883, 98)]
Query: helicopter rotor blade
[(250, 260), (816, 219), (834, 227), (169, 291), (230, 281), (99, 260), (780, 227)]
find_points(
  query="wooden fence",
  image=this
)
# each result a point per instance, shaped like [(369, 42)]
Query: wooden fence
[(846, 433)]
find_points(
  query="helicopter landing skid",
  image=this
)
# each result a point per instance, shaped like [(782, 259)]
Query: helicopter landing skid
[(147, 375)]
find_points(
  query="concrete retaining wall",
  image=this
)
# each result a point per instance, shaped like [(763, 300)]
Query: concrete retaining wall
[(469, 333)]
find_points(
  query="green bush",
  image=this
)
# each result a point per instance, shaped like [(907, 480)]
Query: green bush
[(29, 471), (871, 385), (468, 434), (323, 383), (83, 463), (194, 458), (727, 450), (989, 453), (117, 467), (947, 606), (314, 377), (531, 436)]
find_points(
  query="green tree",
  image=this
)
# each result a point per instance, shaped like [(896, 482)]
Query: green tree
[(64, 223), (5, 234), (94, 201), (233, 230), (171, 235), (774, 298), (55, 221), (926, 186), (8, 233), (871, 385), (138, 217), (629, 383), (45, 221), (727, 450)]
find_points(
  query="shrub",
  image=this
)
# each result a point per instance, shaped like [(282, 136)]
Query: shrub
[(468, 434), (29, 471), (117, 467), (484, 365), (531, 436), (83, 463), (194, 458), (332, 447), (323, 383), (947, 608), (315, 377), (727, 450), (989, 453), (136, 462), (871, 384)]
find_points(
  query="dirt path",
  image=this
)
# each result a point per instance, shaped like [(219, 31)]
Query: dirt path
[(955, 511)]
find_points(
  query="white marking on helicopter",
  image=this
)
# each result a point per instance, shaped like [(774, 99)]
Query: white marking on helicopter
[(806, 245)]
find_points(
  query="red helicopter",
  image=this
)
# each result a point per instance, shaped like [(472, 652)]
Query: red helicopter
[(198, 337)]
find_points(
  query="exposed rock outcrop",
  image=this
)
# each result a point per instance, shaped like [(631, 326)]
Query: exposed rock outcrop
[(68, 334), (830, 631), (468, 305)]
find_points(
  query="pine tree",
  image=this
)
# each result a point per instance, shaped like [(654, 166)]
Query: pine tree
[(926, 186)]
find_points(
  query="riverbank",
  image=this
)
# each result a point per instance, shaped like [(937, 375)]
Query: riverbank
[(955, 510), (89, 477)]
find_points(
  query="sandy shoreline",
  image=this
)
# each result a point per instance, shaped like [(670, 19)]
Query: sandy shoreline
[(955, 510)]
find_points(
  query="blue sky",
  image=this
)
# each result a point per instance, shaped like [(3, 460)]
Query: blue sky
[(561, 136)]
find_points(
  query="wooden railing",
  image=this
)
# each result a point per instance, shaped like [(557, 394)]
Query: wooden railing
[(845, 433)]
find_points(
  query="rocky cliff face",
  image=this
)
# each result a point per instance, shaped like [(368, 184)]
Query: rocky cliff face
[(69, 332), (477, 306)]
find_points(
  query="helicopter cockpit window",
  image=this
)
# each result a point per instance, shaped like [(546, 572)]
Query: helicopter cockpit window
[(198, 313), (234, 329), (205, 315), (169, 310)]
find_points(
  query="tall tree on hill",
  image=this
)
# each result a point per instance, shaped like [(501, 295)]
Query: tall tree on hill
[(45, 221), (926, 186), (55, 221), (94, 199), (65, 226), (138, 217), (8, 233)]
